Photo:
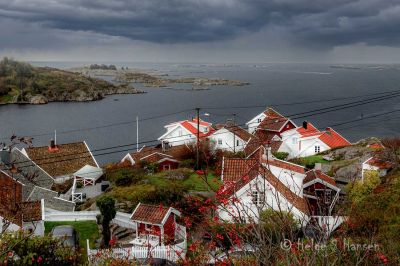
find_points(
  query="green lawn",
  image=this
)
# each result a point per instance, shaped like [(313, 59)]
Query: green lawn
[(196, 182), (309, 161), (199, 183), (86, 230)]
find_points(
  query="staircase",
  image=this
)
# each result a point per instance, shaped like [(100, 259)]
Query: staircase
[(122, 235)]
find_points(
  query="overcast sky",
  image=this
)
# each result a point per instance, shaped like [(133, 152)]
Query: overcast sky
[(201, 30)]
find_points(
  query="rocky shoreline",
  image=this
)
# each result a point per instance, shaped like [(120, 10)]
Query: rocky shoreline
[(150, 79), (41, 85), (76, 96)]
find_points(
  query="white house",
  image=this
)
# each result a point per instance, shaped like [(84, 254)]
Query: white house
[(271, 121), (308, 140), (253, 185), (229, 137), (184, 132), (262, 182), (62, 161), (377, 165)]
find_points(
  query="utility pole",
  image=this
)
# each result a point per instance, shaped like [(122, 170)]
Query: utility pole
[(198, 139), (137, 134), (234, 134)]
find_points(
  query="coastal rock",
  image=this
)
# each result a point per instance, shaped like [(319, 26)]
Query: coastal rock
[(349, 172), (38, 99)]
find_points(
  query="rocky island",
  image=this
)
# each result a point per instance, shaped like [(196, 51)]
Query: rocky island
[(22, 83), (152, 79)]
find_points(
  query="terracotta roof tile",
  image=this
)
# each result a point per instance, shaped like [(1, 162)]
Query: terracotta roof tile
[(381, 164), (66, 159), (154, 154), (235, 129), (286, 165), (334, 139), (153, 214), (234, 169), (314, 174), (242, 171)]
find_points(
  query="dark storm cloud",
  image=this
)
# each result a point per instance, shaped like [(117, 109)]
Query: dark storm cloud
[(310, 22)]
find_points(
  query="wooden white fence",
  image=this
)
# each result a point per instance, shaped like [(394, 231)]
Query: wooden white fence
[(171, 252), (121, 219)]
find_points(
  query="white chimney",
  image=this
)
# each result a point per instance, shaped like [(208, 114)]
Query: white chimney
[(318, 166)]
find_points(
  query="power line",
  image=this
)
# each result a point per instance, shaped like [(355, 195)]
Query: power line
[(109, 125), (302, 102), (151, 141)]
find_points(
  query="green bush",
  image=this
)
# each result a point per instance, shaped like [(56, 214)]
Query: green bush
[(22, 249), (281, 155), (124, 180), (189, 163)]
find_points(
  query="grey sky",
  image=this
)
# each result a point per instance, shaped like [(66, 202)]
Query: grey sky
[(202, 30)]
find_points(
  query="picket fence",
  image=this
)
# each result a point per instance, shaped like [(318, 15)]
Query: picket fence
[(170, 253)]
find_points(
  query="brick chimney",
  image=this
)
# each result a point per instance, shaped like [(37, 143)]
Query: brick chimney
[(53, 147)]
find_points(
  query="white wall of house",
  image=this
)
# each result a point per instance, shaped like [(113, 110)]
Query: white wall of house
[(225, 140), (255, 122), (297, 146), (178, 135), (250, 210)]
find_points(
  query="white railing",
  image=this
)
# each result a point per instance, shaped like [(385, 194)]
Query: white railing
[(121, 219), (71, 216), (172, 253), (124, 220)]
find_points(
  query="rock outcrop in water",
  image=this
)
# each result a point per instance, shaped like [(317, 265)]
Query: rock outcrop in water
[(155, 80), (22, 83)]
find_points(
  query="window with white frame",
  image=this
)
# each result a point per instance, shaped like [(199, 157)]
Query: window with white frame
[(259, 120), (317, 149), (237, 142), (180, 133), (219, 141), (294, 140), (257, 197)]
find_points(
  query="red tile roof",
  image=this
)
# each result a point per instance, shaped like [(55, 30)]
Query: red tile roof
[(192, 129), (234, 169), (310, 131), (314, 174), (67, 159), (376, 146), (152, 214), (273, 121), (330, 137), (241, 171), (381, 164), (334, 139), (235, 129), (286, 165), (154, 154), (202, 122)]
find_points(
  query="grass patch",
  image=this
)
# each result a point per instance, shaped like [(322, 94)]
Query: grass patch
[(199, 183), (86, 230), (310, 161)]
